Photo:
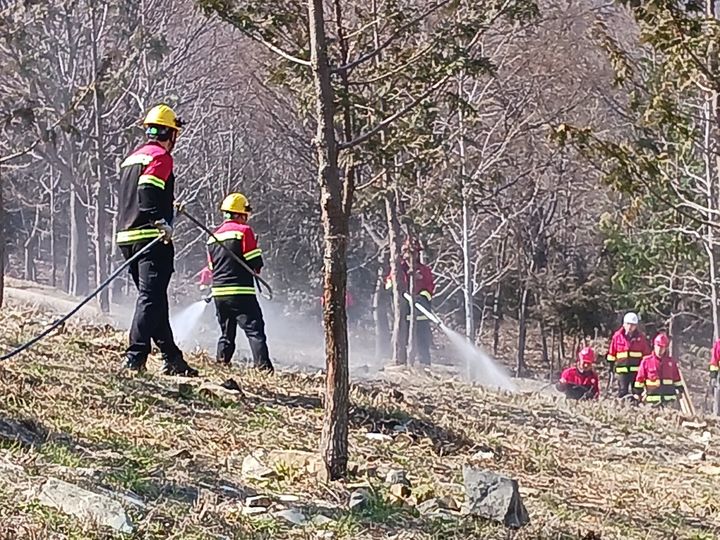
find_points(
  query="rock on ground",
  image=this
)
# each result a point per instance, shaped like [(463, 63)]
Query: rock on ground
[(84, 504), (492, 496)]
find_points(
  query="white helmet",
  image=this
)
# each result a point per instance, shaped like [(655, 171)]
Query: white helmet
[(631, 318)]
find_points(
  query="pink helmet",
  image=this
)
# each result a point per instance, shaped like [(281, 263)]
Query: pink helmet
[(586, 355), (661, 340)]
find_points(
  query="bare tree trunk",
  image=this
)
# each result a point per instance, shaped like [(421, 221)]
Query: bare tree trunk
[(497, 306), (102, 261), (380, 310), (3, 240), (79, 257), (522, 331), (334, 440), (53, 233), (544, 342), (399, 333), (411, 324)]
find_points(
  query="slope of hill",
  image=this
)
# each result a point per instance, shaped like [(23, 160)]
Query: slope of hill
[(175, 453)]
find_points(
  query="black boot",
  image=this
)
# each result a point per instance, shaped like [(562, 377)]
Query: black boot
[(134, 363), (265, 366), (177, 366)]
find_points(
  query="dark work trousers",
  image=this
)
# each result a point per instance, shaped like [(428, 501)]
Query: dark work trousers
[(244, 311), (151, 274), (626, 383), (423, 330)]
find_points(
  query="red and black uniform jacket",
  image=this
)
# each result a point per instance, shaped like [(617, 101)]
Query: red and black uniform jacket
[(626, 352), (579, 385), (146, 193), (423, 287), (715, 359), (659, 378), (229, 277)]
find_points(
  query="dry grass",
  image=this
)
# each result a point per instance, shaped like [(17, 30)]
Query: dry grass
[(620, 472)]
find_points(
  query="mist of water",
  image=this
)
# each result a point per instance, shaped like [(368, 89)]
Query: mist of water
[(480, 367), (185, 323)]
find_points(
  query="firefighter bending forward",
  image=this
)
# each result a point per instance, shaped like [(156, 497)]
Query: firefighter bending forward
[(627, 348), (145, 212), (580, 381), (233, 287)]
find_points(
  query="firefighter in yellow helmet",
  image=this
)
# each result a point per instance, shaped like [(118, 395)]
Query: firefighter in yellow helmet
[(233, 286), (145, 212)]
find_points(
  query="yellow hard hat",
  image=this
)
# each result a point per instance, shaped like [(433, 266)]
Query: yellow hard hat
[(162, 115), (236, 203)]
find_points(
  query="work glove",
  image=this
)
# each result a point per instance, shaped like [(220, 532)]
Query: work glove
[(165, 230)]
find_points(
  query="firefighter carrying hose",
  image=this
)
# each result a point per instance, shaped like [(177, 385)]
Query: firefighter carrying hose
[(423, 288), (145, 212), (233, 287), (580, 381), (658, 379), (627, 348)]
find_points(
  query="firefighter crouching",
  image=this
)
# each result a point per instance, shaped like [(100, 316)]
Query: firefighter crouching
[(628, 347), (233, 287), (658, 380), (423, 288), (580, 381), (145, 212)]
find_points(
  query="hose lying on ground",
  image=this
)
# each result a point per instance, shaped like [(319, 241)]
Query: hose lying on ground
[(77, 308), (181, 209)]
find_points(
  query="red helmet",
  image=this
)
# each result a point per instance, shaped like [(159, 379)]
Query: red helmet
[(661, 340), (586, 356)]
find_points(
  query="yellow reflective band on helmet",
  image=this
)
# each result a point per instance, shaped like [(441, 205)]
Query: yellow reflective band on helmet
[(610, 358), (130, 237), (621, 369), (149, 179), (713, 367), (232, 290), (622, 355), (137, 159), (254, 254), (633, 354), (426, 295), (228, 235)]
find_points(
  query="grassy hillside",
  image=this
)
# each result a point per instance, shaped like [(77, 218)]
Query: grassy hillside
[(174, 452)]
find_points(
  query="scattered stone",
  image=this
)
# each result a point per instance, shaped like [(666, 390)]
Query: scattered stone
[(254, 510), (428, 506), (217, 390), (288, 498), (321, 520), (296, 517), (23, 432), (253, 468), (492, 496), (423, 493), (696, 456), (359, 499), (258, 500), (397, 476), (400, 491), (378, 437), (483, 455), (84, 504), (448, 503), (710, 470), (231, 384), (298, 459)]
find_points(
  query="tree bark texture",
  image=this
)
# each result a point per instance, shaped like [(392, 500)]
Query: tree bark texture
[(334, 439)]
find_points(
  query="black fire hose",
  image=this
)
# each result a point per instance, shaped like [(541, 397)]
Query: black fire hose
[(77, 308), (180, 207)]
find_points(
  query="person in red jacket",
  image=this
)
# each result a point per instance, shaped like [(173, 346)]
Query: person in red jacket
[(580, 381), (715, 363), (627, 348), (658, 379), (423, 289)]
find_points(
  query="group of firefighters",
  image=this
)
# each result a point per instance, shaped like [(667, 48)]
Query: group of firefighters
[(145, 214), (643, 373)]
